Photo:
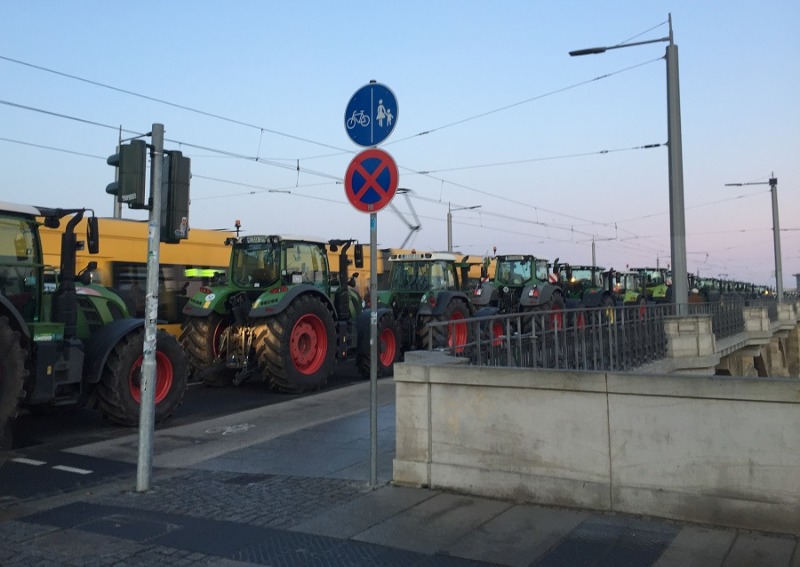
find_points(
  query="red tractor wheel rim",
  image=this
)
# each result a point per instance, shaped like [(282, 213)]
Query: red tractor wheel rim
[(497, 333), (457, 332), (642, 310), (388, 347), (164, 377), (216, 337), (557, 317), (308, 344), (580, 320)]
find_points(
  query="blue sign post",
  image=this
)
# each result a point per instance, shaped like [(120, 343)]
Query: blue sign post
[(371, 115)]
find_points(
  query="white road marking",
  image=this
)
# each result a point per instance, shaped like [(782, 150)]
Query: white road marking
[(72, 469), (228, 429), (24, 461)]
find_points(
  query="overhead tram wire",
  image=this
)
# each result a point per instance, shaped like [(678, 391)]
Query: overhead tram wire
[(52, 148), (293, 166), (643, 217), (522, 102), (547, 158), (287, 166), (168, 103), (295, 193)]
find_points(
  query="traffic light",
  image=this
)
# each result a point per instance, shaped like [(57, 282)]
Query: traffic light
[(175, 198), (131, 164)]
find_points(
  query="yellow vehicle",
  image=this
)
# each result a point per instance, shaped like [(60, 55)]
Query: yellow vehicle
[(122, 264)]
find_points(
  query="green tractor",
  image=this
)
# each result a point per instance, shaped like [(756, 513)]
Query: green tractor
[(66, 341), (657, 284), (424, 288), (628, 288), (522, 283), (281, 316), (585, 289)]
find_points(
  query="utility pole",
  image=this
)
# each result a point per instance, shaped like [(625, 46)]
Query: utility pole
[(776, 230)]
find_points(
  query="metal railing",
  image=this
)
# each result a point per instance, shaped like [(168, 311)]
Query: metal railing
[(727, 317), (619, 338)]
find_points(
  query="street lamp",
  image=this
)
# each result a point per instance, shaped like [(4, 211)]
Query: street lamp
[(776, 230), (450, 223), (677, 222)]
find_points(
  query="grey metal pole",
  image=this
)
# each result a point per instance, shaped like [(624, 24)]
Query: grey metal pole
[(373, 349), (680, 283), (147, 392), (776, 234), (117, 204), (449, 229)]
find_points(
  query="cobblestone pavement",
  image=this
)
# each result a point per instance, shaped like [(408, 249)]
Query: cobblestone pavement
[(302, 497)]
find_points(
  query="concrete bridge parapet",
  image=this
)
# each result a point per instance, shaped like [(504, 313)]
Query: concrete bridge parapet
[(709, 449), (691, 344)]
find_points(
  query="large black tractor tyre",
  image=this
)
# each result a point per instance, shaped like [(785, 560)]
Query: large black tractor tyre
[(547, 316), (118, 391), (455, 336), (12, 378), (388, 349), (201, 339), (296, 348)]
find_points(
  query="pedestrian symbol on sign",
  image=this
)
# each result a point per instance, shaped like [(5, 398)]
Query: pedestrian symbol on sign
[(371, 115)]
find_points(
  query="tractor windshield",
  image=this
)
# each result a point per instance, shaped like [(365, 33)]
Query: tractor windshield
[(256, 264), (586, 275), (514, 271), (422, 276), (628, 281)]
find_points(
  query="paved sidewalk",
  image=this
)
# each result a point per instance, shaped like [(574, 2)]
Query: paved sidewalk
[(288, 485)]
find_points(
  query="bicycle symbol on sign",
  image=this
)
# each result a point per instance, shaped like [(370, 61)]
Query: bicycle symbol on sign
[(359, 118)]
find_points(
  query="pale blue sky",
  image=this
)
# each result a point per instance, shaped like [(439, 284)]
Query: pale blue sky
[(281, 74)]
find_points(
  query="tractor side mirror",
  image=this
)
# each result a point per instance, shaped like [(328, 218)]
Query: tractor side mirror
[(92, 235), (358, 252)]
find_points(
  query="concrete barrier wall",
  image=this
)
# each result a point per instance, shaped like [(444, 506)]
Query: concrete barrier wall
[(718, 450)]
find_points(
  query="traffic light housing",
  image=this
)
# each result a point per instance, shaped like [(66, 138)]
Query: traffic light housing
[(131, 164), (175, 198)]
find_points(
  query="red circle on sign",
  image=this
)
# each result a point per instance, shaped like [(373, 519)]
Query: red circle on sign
[(371, 180)]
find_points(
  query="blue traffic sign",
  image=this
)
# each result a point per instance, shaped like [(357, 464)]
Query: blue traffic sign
[(371, 115)]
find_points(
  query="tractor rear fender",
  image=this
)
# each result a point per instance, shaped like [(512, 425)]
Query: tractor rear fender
[(546, 292), (363, 328), (443, 298), (594, 298), (269, 304), (204, 304), (488, 291), (15, 317), (102, 342)]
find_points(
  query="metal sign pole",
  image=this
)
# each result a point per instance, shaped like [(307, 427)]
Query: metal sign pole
[(373, 349), (147, 396)]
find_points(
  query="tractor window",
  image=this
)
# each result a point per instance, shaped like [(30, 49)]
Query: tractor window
[(542, 271), (411, 276), (308, 261), (441, 277), (255, 266), (18, 266)]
